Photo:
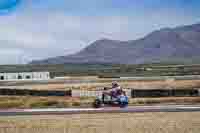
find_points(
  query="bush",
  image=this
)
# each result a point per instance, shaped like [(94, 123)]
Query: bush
[(76, 104), (42, 104), (63, 105), (11, 104)]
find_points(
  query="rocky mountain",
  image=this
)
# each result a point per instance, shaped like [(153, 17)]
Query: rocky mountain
[(164, 45)]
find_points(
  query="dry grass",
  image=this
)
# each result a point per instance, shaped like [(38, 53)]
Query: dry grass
[(159, 84), (104, 123), (164, 100), (67, 102), (43, 102)]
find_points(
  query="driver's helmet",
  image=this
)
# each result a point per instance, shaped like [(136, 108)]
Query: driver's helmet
[(115, 84)]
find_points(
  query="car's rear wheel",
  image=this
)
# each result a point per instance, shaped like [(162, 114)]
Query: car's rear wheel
[(97, 103)]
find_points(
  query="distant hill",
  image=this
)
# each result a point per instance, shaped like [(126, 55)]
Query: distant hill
[(180, 44)]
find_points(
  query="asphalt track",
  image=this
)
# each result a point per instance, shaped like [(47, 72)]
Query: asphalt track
[(133, 109)]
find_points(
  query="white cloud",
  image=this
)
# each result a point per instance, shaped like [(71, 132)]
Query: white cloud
[(35, 35), (56, 34)]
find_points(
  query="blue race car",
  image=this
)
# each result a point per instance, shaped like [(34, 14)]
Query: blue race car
[(109, 99)]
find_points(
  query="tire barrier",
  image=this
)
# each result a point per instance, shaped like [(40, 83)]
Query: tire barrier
[(19, 92), (164, 93)]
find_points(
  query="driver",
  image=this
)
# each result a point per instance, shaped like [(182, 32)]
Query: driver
[(116, 90)]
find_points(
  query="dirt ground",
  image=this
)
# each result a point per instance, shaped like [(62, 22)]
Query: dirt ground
[(185, 122)]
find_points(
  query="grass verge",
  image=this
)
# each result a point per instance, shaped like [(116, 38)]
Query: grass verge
[(43, 102), (7, 102)]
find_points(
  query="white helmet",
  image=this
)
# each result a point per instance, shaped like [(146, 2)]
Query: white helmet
[(115, 84)]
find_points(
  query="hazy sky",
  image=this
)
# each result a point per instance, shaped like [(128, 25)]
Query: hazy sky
[(36, 29)]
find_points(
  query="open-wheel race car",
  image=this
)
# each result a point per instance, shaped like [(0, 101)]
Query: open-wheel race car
[(119, 99)]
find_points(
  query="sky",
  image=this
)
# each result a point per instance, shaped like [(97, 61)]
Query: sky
[(38, 29)]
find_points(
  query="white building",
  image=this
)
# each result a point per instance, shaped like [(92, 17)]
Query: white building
[(25, 76)]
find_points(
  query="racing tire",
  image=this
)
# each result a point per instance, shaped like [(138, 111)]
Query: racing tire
[(97, 103)]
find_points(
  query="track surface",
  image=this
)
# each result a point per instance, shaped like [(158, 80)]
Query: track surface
[(133, 109)]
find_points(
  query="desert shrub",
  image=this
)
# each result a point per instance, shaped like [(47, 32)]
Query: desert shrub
[(11, 104), (151, 101), (7, 98), (84, 98), (76, 104), (42, 104), (63, 104), (140, 102)]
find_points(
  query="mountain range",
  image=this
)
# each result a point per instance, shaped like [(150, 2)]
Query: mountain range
[(179, 44)]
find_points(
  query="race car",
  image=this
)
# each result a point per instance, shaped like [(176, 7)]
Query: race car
[(109, 99)]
